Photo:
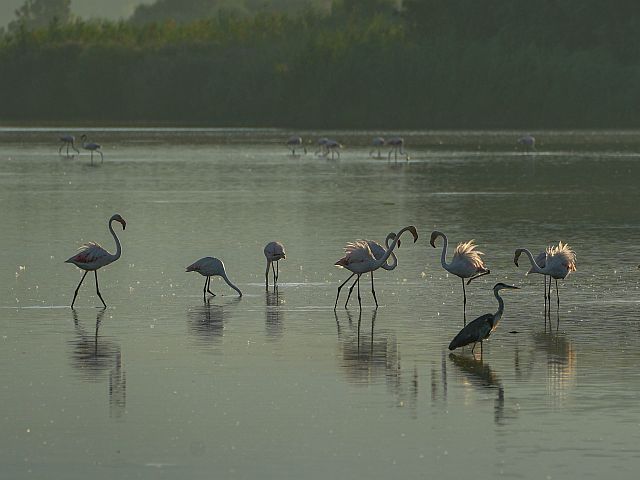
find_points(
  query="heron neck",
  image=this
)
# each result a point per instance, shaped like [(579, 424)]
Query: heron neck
[(498, 314)]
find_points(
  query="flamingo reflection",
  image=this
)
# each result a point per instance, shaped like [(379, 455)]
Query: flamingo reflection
[(206, 321), (273, 311)]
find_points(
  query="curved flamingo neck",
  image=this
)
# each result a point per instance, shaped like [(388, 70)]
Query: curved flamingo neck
[(115, 237), (536, 268), (389, 250), (226, 279), (394, 259), (443, 256)]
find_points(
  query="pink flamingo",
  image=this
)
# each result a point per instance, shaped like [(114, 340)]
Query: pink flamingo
[(274, 252), (211, 267), (92, 257)]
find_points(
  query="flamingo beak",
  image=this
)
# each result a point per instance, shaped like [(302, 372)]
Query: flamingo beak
[(414, 232)]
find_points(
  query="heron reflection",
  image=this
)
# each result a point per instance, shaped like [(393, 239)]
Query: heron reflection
[(369, 358), (274, 313), (480, 375), (206, 320), (96, 358)]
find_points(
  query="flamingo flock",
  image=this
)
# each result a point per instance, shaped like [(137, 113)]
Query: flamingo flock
[(361, 257)]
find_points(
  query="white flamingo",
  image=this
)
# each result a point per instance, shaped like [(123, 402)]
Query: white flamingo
[(333, 147), (322, 147), (92, 257), (466, 263), (397, 146), (560, 261), (528, 142), (211, 267), (359, 259), (295, 142), (274, 252), (69, 141), (377, 144), (92, 147)]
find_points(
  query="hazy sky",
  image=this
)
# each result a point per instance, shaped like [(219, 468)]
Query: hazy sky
[(84, 8)]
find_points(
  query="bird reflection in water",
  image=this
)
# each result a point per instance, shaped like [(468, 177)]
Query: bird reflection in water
[(95, 358), (206, 321), (274, 314), (374, 359), (479, 374), (561, 362)]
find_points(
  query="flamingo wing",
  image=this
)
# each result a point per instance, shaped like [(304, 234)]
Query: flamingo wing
[(89, 253)]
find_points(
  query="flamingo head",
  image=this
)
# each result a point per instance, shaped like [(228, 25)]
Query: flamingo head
[(414, 232), (435, 234), (342, 262), (500, 286), (119, 219), (516, 257)]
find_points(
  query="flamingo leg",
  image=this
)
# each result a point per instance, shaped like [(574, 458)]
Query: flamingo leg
[(464, 304), (74, 147), (350, 291), (98, 289), (91, 157), (204, 289), (373, 290), (359, 298), (266, 274), (78, 288), (277, 270), (558, 311), (340, 288), (101, 157), (273, 269), (60, 149), (209, 286)]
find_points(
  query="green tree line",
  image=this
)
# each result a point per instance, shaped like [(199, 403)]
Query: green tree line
[(359, 64)]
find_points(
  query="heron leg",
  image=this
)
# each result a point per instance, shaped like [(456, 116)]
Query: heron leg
[(340, 288), (98, 289), (78, 288), (350, 292), (373, 290), (464, 303), (473, 348)]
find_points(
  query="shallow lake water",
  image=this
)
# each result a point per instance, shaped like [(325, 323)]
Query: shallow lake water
[(276, 384)]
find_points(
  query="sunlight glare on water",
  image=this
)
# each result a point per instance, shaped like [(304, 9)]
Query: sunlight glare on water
[(276, 384)]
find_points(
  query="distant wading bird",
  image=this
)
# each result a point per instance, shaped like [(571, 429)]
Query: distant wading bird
[(69, 141), (466, 263), (528, 142), (92, 257), (377, 143), (397, 145), (322, 147), (92, 147), (378, 252), (333, 147), (211, 267), (359, 259), (480, 328), (560, 261), (274, 252), (295, 142)]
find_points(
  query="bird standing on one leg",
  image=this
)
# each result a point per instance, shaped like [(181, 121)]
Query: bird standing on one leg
[(274, 252), (466, 263), (92, 257), (480, 328)]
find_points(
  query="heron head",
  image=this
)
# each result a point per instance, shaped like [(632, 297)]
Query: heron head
[(118, 218)]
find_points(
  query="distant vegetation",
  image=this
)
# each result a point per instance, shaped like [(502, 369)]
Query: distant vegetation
[(350, 63)]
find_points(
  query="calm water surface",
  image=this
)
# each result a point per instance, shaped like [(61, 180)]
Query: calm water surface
[(277, 385)]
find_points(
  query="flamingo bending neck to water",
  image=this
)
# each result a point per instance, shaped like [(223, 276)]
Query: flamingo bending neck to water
[(211, 267), (92, 257), (274, 252)]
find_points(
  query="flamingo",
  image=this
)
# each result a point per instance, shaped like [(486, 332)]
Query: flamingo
[(92, 257), (92, 147), (69, 141), (466, 263), (274, 252), (210, 267), (397, 145), (480, 328), (322, 147), (333, 147), (295, 142), (377, 144), (528, 142), (378, 252), (560, 261), (541, 260), (359, 259)]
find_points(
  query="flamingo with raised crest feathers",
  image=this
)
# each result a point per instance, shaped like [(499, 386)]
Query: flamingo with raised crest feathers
[(92, 257), (360, 259), (560, 261), (466, 263), (211, 267), (274, 252)]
